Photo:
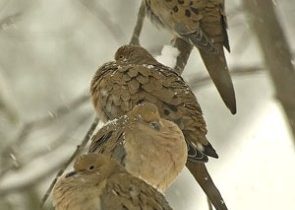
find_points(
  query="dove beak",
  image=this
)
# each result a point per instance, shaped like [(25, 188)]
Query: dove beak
[(72, 173)]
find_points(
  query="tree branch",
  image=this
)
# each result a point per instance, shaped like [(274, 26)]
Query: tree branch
[(31, 182), (8, 20), (68, 162), (276, 53), (185, 50), (62, 139), (44, 121), (138, 26)]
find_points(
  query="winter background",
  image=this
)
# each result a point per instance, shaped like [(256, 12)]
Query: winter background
[(49, 51)]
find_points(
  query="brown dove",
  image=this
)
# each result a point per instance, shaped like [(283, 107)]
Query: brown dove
[(100, 183), (136, 77), (201, 23), (148, 146)]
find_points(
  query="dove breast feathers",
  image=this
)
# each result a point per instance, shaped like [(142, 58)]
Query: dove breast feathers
[(147, 145)]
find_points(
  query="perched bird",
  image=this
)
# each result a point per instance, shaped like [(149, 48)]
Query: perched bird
[(148, 146), (201, 23), (136, 77), (100, 183)]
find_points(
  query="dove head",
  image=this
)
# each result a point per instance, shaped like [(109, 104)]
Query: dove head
[(146, 112), (93, 167), (91, 170), (133, 54)]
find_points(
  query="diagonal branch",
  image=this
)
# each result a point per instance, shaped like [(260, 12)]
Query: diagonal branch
[(138, 26), (32, 182), (185, 50), (9, 20), (44, 121), (68, 162), (62, 139)]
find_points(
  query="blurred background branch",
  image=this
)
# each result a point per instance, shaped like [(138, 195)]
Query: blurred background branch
[(276, 53), (9, 151), (138, 25), (78, 150), (9, 20)]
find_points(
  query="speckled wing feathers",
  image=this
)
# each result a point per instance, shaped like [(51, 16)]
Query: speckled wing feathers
[(100, 183), (182, 18), (124, 192), (156, 84), (109, 140), (203, 24)]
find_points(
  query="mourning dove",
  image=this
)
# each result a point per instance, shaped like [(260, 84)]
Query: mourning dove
[(201, 23), (100, 183), (136, 77), (148, 146)]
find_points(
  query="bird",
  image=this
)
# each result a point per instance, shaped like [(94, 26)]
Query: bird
[(136, 77), (100, 183), (147, 145), (201, 23)]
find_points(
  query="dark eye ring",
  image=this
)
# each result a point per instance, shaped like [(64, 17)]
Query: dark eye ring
[(91, 167), (155, 125)]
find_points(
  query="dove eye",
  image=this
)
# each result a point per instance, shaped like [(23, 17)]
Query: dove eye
[(155, 125), (91, 167)]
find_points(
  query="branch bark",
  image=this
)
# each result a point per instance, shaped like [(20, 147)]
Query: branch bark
[(19, 188), (42, 122), (68, 162), (185, 50), (22, 161), (138, 25), (276, 53)]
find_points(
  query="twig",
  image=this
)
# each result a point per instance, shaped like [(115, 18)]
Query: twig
[(8, 20), (104, 16), (28, 127), (33, 181), (67, 163), (185, 50), (138, 25), (62, 139)]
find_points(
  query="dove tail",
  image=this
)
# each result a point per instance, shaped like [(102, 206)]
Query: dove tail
[(218, 71), (200, 155), (200, 173), (194, 155)]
